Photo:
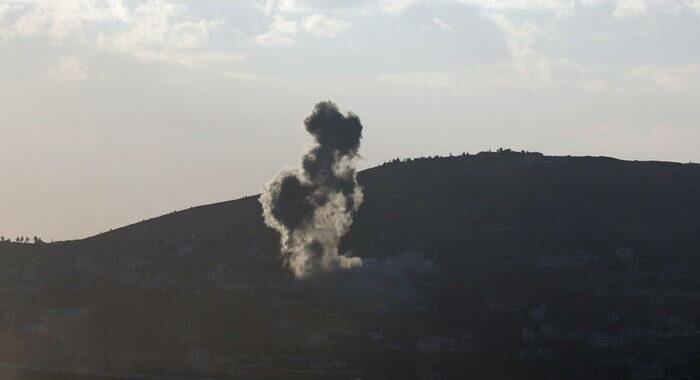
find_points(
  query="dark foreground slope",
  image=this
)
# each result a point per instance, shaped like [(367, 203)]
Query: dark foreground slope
[(497, 265)]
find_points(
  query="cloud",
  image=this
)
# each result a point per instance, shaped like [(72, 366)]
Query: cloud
[(694, 5), (190, 60), (438, 23), (395, 6), (152, 35), (590, 3), (242, 75), (69, 69), (58, 19), (279, 33), (509, 5), (625, 79), (145, 30), (418, 79), (270, 7), (669, 77), (622, 8), (530, 68), (321, 26), (630, 8), (596, 86)]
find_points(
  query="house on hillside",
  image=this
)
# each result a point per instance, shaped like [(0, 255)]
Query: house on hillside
[(538, 313), (528, 336)]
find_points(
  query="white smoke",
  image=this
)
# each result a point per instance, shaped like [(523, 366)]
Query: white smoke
[(312, 207)]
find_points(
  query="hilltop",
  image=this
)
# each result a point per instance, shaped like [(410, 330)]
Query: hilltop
[(499, 264), (496, 201)]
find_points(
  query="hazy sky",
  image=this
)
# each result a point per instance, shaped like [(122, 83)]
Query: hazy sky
[(112, 111)]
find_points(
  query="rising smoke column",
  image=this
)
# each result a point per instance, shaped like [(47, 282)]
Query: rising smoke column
[(312, 206)]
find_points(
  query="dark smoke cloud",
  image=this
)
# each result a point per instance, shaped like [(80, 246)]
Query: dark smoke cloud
[(312, 206)]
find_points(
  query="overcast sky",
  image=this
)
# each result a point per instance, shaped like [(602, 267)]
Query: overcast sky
[(113, 111)]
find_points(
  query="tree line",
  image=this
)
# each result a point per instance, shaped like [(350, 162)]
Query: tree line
[(21, 240)]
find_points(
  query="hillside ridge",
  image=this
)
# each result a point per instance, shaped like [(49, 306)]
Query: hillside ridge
[(228, 212)]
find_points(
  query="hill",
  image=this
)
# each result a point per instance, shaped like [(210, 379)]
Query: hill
[(497, 265), (539, 203)]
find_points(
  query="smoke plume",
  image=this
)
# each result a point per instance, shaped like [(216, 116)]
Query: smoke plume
[(312, 206)]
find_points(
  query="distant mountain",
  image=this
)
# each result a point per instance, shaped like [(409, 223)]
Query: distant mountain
[(495, 265)]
